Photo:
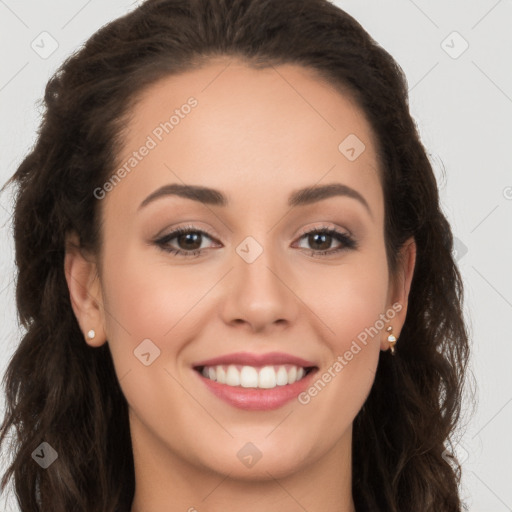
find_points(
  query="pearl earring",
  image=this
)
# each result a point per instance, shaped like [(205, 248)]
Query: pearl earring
[(91, 334), (391, 340)]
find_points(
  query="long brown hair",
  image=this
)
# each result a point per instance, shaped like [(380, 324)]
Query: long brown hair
[(63, 392)]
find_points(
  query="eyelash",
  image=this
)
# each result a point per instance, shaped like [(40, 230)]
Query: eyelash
[(347, 241)]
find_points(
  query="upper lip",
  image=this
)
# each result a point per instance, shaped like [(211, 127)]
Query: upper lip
[(248, 359)]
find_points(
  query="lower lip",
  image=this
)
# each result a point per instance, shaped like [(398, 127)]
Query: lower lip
[(256, 399)]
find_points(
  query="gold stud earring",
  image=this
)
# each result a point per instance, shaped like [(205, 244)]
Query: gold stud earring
[(91, 334), (391, 340)]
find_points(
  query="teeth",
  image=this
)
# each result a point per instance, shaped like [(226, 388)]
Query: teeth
[(232, 376), (292, 373), (221, 375), (266, 377), (281, 376), (249, 377)]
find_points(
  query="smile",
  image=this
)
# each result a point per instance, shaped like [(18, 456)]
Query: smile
[(266, 377), (256, 382)]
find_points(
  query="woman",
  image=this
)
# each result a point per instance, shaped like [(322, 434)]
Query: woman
[(189, 346)]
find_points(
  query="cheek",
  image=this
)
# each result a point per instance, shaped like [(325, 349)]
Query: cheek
[(361, 305), (351, 307), (350, 298), (146, 298), (347, 374), (150, 310)]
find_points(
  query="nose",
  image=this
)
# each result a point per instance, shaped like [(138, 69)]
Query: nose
[(259, 295)]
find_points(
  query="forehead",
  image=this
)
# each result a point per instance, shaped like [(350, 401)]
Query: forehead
[(246, 130)]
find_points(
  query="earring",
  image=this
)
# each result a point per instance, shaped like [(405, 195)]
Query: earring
[(391, 340), (91, 334)]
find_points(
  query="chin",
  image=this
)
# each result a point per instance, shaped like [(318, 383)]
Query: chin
[(253, 461)]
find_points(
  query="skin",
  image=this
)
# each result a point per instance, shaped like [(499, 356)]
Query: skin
[(255, 135)]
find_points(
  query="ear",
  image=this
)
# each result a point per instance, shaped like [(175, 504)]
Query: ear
[(398, 296), (84, 290)]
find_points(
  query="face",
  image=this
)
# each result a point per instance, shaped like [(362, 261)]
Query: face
[(261, 275)]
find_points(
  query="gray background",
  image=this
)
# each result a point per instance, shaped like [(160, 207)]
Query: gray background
[(460, 98)]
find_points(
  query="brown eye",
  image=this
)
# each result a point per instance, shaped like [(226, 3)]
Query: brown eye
[(319, 241), (322, 241), (187, 241)]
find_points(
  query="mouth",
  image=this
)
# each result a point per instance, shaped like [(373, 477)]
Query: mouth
[(256, 382), (259, 377)]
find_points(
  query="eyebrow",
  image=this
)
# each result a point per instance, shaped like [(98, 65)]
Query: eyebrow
[(301, 197)]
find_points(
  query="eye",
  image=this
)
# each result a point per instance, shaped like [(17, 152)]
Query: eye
[(189, 241), (321, 239)]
